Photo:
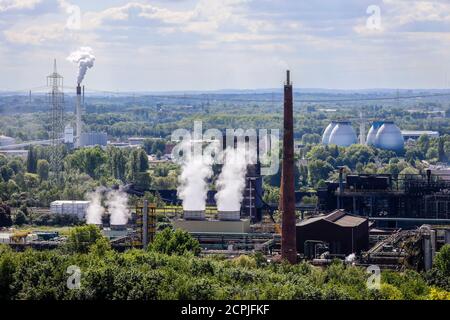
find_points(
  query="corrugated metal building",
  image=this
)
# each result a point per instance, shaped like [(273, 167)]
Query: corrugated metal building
[(342, 232), (77, 208)]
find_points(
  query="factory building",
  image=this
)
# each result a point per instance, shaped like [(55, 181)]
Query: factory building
[(76, 208), (338, 233), (93, 139), (405, 201)]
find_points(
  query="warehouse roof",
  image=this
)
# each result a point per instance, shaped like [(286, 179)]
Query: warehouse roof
[(338, 217)]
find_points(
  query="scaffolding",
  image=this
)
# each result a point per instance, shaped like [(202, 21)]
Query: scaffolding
[(145, 224)]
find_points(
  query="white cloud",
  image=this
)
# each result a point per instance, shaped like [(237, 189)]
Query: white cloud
[(9, 5), (36, 34)]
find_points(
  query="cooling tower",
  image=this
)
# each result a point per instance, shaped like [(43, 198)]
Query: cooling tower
[(194, 215), (372, 135), (343, 134), (327, 132), (229, 215), (389, 137)]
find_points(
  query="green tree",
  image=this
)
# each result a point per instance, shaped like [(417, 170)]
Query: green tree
[(175, 242), (32, 160), (81, 238), (442, 260), (5, 215), (43, 168), (20, 218)]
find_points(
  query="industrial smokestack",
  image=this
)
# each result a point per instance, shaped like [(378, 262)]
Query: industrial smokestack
[(288, 226), (78, 114)]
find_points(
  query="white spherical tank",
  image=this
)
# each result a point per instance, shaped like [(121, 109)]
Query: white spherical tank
[(389, 137), (372, 135), (343, 134), (327, 132)]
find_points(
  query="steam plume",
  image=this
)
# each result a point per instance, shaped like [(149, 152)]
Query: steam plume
[(95, 210), (85, 60), (117, 202), (231, 181), (193, 185)]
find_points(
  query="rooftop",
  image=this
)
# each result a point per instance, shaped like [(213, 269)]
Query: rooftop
[(338, 217)]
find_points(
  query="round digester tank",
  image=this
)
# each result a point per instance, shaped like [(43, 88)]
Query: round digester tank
[(327, 132), (389, 137), (372, 135), (343, 134)]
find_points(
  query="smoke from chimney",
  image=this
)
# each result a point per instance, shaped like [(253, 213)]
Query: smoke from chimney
[(231, 181), (95, 210), (117, 203), (85, 60), (193, 187)]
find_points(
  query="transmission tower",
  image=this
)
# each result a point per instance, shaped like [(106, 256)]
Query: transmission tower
[(56, 99)]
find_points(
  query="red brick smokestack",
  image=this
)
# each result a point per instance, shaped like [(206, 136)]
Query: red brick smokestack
[(288, 229)]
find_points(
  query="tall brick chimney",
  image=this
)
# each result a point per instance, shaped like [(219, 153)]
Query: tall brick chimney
[(288, 228)]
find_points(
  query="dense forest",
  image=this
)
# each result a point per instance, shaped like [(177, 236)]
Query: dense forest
[(172, 269)]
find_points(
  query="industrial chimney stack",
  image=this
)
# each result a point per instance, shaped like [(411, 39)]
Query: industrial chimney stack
[(78, 114), (288, 227)]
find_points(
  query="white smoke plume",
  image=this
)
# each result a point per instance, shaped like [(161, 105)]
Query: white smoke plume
[(95, 210), (231, 182), (117, 203), (85, 60), (193, 184)]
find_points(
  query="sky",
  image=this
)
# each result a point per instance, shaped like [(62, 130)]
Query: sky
[(182, 45)]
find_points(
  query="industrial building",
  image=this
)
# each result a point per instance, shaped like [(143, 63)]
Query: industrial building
[(391, 201), (76, 208), (416, 134), (90, 139), (338, 233)]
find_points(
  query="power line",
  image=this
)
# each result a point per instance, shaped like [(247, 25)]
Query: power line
[(271, 100)]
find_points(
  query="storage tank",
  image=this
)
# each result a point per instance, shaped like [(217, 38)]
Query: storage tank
[(194, 215), (389, 137), (343, 134), (372, 135), (229, 215), (327, 132)]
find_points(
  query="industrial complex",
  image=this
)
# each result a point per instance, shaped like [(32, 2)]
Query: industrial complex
[(366, 217)]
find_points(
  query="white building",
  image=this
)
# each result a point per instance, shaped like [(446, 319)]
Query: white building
[(7, 141), (415, 134), (70, 207)]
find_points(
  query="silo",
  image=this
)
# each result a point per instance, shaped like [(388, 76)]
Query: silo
[(372, 135), (327, 132), (343, 134), (389, 137)]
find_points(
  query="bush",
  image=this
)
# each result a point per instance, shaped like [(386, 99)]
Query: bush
[(176, 242), (81, 238)]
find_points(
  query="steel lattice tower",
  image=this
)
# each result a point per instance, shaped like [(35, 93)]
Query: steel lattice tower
[(56, 99)]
